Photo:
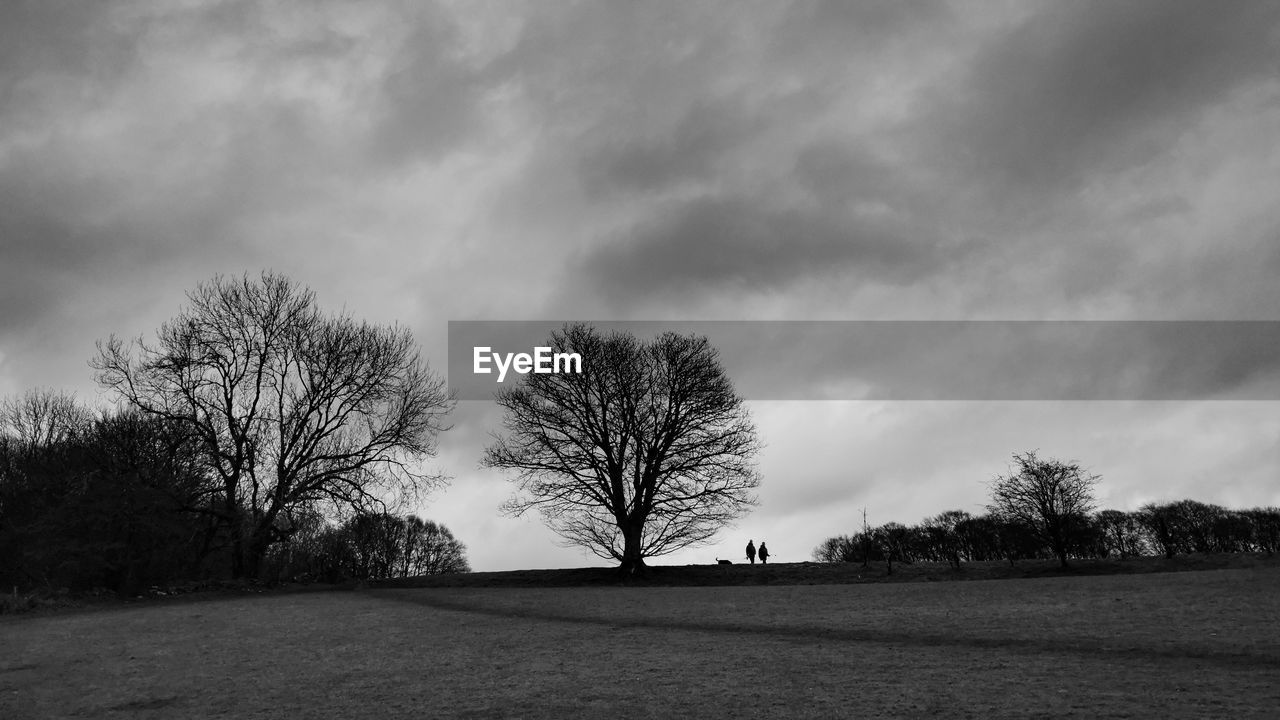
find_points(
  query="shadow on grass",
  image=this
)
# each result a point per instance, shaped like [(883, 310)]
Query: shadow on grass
[(1162, 646), (1018, 643)]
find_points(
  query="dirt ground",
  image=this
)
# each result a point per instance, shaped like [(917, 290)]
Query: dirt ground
[(1204, 644)]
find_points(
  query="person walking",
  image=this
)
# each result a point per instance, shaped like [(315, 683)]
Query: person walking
[(764, 554), (751, 551)]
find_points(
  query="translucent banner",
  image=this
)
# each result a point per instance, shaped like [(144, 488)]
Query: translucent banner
[(921, 360)]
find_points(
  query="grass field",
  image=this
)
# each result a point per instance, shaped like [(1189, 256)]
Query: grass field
[(1201, 644)]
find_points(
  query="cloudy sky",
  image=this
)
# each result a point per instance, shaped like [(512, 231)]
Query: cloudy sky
[(421, 162)]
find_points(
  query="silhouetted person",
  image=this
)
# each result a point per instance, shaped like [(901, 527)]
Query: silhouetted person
[(751, 551), (764, 554)]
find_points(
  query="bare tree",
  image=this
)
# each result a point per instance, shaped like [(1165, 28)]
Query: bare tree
[(1266, 524), (42, 417), (1049, 497), (380, 545), (1266, 528), (894, 541), (430, 549), (1123, 532), (943, 536), (841, 548), (292, 407), (646, 451)]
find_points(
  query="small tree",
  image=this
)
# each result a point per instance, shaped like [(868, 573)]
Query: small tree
[(841, 548), (1123, 533), (894, 541), (980, 537), (1161, 524), (1266, 528), (646, 451), (1185, 526), (430, 549), (1051, 498), (944, 539), (40, 418)]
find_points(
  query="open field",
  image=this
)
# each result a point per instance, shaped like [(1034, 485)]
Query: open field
[(1204, 644), (812, 573)]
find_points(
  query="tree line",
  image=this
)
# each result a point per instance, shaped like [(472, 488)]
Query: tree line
[(257, 436), (1045, 510), (123, 500)]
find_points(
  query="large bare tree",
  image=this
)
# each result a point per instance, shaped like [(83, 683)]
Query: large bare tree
[(1051, 498), (648, 450), (293, 408)]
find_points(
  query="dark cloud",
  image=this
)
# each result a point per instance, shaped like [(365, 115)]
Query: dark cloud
[(837, 173), (429, 94), (156, 141), (55, 52), (1083, 87), (834, 32), (694, 115), (994, 360), (53, 233), (715, 245), (654, 158)]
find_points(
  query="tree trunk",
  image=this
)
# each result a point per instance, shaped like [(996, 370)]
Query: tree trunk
[(238, 552), (253, 552), (632, 560), (235, 520), (1060, 550)]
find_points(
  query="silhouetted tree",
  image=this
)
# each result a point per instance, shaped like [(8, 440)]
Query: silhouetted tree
[(894, 541), (1266, 528), (430, 549), (1018, 540), (110, 504), (1088, 539), (1233, 532), (376, 546), (1122, 532), (1197, 521), (41, 418), (1160, 522), (1189, 526), (1050, 498), (841, 548), (646, 451), (944, 539), (142, 507), (291, 407), (42, 464), (980, 538)]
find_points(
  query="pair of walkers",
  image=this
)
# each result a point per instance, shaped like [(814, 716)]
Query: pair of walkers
[(752, 552)]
